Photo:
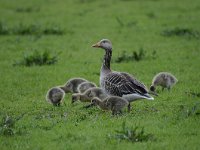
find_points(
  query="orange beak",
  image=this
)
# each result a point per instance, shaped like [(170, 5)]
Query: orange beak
[(96, 45)]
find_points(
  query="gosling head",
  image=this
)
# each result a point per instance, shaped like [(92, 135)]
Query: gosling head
[(95, 101), (152, 88), (104, 43), (108, 104), (75, 97), (88, 94)]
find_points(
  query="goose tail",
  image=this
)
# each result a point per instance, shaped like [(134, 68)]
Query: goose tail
[(135, 96), (148, 96)]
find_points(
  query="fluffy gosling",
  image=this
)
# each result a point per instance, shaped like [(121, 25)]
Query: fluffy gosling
[(84, 86), (113, 103), (55, 96), (89, 94), (71, 86), (163, 79)]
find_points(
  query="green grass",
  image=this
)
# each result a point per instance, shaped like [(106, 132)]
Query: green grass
[(33, 29), (37, 58), (172, 118), (134, 134)]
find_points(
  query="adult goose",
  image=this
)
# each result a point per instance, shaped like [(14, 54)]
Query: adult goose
[(119, 83)]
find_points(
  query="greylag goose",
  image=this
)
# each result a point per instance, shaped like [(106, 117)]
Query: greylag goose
[(89, 94), (119, 83), (163, 79), (71, 86), (113, 103), (55, 96), (84, 86)]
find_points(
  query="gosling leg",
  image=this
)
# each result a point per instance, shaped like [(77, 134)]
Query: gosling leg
[(129, 107)]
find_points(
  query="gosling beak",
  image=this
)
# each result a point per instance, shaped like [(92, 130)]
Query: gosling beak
[(96, 45)]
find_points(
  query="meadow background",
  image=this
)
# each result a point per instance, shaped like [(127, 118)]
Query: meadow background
[(166, 32)]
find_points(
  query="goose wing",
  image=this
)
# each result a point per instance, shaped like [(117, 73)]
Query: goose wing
[(138, 85), (119, 84)]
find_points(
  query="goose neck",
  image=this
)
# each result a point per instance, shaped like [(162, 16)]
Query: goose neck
[(107, 59)]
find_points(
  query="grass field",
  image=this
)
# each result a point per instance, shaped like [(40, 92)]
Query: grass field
[(167, 31)]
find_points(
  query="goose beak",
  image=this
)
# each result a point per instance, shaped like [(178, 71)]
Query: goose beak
[(96, 45)]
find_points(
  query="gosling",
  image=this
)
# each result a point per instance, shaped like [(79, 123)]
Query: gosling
[(71, 86), (88, 95), (113, 103), (163, 79), (84, 86), (55, 96)]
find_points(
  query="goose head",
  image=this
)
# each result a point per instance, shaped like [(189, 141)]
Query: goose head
[(104, 44)]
